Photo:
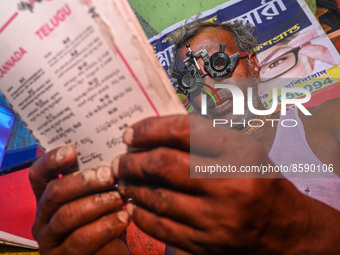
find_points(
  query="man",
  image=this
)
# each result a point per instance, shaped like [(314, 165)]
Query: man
[(79, 213)]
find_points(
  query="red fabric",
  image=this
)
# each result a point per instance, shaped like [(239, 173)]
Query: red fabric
[(17, 204), (140, 243)]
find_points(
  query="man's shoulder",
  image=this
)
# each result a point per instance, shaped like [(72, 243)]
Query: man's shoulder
[(326, 115), (329, 108)]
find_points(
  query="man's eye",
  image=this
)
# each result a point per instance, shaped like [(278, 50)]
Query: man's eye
[(275, 64)]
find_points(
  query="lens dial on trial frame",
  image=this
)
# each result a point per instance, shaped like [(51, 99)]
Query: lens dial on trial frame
[(216, 65), (188, 80), (220, 63)]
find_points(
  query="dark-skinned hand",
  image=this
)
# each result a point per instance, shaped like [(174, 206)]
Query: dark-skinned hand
[(79, 213), (229, 215)]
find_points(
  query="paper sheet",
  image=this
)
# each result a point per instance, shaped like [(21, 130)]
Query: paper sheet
[(79, 73)]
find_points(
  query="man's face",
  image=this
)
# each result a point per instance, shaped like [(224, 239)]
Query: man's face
[(280, 58), (243, 76)]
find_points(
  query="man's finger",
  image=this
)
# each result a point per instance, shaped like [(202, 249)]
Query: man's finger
[(88, 239), (173, 131), (317, 52), (115, 247), (169, 204), (49, 166), (188, 133), (303, 38), (72, 187), (160, 166), (92, 237), (81, 212)]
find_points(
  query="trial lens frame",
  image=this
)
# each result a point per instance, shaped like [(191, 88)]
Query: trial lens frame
[(216, 65)]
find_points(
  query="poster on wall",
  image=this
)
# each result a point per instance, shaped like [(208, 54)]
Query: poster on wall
[(293, 50)]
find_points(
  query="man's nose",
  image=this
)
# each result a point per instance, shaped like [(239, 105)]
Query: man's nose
[(208, 80)]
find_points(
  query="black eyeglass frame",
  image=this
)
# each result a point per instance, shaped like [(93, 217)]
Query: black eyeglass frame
[(296, 54)]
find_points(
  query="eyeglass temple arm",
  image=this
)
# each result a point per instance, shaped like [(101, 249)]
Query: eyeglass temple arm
[(244, 54)]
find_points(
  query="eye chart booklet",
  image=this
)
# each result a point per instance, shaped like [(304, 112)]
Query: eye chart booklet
[(79, 72)]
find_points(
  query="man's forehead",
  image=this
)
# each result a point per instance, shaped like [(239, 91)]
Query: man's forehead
[(210, 38)]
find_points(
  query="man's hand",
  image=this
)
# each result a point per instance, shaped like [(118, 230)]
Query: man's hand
[(210, 216), (313, 51), (79, 213)]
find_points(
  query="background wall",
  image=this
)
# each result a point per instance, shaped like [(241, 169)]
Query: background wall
[(160, 14)]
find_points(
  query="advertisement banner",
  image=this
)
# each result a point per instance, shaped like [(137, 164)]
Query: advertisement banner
[(291, 45)]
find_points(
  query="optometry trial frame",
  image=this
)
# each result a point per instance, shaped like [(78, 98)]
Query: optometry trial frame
[(216, 65)]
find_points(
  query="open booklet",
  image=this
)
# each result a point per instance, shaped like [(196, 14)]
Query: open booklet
[(80, 72)]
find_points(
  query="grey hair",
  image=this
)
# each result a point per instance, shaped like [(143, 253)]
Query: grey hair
[(243, 34)]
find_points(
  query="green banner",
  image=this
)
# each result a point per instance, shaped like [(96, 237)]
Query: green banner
[(161, 14)]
